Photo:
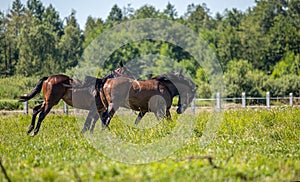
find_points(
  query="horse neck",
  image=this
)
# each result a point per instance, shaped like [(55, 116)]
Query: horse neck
[(75, 81), (104, 79), (171, 88)]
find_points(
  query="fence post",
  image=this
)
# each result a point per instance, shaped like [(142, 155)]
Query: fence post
[(66, 108), (268, 100), (291, 99), (244, 100), (25, 107), (218, 99), (193, 106)]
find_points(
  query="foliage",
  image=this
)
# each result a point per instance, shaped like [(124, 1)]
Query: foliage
[(14, 87), (36, 41), (249, 145), (32, 40), (241, 77), (290, 64), (283, 86), (10, 105)]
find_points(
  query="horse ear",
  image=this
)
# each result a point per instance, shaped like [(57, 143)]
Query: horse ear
[(121, 64), (179, 73)]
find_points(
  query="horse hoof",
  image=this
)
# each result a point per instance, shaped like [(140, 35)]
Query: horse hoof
[(29, 130), (83, 131), (33, 134)]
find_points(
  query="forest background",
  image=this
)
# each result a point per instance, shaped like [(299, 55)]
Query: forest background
[(259, 49)]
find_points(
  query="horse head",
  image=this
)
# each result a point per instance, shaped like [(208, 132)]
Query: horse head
[(186, 90), (123, 71)]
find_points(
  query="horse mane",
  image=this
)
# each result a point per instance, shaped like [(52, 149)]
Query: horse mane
[(94, 81), (161, 78), (167, 78)]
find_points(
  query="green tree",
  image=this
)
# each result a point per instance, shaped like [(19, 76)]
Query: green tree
[(166, 64), (283, 86), (70, 44), (241, 77), (266, 10), (38, 53), (146, 11), (170, 11), (115, 15), (52, 19), (71, 19), (228, 42), (36, 8), (93, 28), (263, 28), (290, 64), (12, 28), (197, 17), (203, 86), (2, 58), (128, 12)]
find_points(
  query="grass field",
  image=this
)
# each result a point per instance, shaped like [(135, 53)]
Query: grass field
[(249, 145)]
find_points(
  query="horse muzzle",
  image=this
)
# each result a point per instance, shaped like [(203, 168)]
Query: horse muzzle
[(181, 109)]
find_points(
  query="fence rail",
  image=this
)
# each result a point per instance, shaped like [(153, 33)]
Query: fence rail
[(218, 102), (241, 102)]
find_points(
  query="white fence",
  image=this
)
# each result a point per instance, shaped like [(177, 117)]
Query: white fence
[(244, 102), (218, 103)]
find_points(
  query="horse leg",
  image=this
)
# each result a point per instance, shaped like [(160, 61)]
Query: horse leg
[(36, 110), (87, 122), (159, 113), (104, 116), (110, 113), (96, 117), (140, 116), (42, 116), (168, 114)]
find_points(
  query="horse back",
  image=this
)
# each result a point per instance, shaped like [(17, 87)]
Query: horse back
[(145, 94), (54, 89)]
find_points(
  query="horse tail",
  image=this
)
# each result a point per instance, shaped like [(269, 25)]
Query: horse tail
[(37, 89)]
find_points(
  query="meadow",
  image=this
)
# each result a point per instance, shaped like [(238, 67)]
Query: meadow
[(248, 145)]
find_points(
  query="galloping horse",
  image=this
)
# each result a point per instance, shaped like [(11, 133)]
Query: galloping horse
[(73, 91), (153, 95)]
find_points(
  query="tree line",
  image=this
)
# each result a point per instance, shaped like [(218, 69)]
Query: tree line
[(258, 49)]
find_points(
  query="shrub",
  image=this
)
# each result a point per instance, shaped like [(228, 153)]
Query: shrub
[(284, 85), (10, 105), (15, 86)]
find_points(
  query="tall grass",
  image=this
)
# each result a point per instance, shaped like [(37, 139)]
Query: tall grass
[(252, 145)]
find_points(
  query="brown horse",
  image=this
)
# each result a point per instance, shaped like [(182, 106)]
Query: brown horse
[(73, 91), (153, 95)]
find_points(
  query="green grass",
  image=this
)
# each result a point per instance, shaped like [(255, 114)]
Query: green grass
[(251, 145)]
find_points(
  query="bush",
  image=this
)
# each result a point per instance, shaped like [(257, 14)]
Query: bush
[(15, 86), (10, 105), (241, 77), (289, 65), (279, 87)]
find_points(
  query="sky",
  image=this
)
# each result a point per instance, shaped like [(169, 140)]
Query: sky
[(101, 9)]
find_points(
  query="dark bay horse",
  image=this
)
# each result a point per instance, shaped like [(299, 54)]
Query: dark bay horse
[(74, 92), (153, 95)]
